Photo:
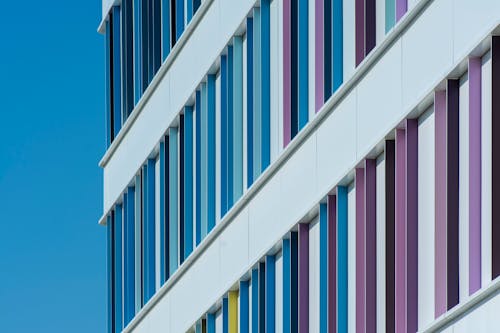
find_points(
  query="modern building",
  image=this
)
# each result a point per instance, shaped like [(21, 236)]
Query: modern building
[(302, 166)]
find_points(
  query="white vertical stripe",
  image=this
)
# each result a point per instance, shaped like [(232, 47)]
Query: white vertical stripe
[(218, 322), (157, 226), (380, 232), (426, 182), (348, 40), (351, 258), (314, 276), (279, 292), (486, 150)]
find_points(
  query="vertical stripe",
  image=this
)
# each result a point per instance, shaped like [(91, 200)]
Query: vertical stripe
[(166, 202), (179, 20), (390, 155), (116, 67), (360, 31), (474, 175), (270, 294), (188, 180), (244, 310), (138, 242), (495, 157), (166, 33), (173, 189), (262, 297), (342, 258), (127, 58), (303, 80), (150, 48), (109, 80), (163, 212), (157, 38), (401, 8), (287, 79), (230, 128), (266, 82), (286, 286), (360, 252), (204, 161), (250, 102), (118, 227), (370, 25), (257, 90), (180, 193), (111, 272), (440, 195), (323, 268), (331, 258), (294, 70), (303, 278), (294, 282), (196, 5), (452, 199), (145, 45), (255, 300), (338, 44), (225, 315), (210, 324), (318, 62), (237, 117), (198, 167), (129, 256), (233, 311), (390, 14), (150, 230), (137, 50), (400, 232), (371, 244), (211, 152), (327, 39), (173, 22), (223, 134), (189, 9)]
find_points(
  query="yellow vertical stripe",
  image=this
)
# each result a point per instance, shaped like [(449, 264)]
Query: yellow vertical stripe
[(233, 311)]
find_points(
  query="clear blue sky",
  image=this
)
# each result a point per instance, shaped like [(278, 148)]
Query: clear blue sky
[(52, 252)]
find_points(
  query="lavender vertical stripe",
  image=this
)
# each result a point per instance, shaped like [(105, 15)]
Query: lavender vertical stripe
[(400, 233), (360, 30), (371, 245), (360, 251), (318, 63), (401, 8), (287, 67), (412, 225), (495, 145), (452, 178), (303, 278), (440, 199), (332, 264), (474, 175)]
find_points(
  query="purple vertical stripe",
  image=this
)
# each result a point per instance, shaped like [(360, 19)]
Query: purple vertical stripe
[(360, 251), (412, 225), (360, 30), (319, 64), (389, 234), (287, 85), (474, 175), (440, 199), (303, 278), (400, 232), (495, 145), (371, 245), (370, 27), (332, 264), (401, 8)]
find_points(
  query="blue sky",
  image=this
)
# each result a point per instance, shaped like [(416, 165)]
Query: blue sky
[(52, 252)]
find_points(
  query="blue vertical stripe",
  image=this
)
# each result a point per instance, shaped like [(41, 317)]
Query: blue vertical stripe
[(270, 294), (129, 269), (157, 35), (303, 49), (188, 180), (342, 281), (257, 93), (323, 268), (189, 9), (244, 310), (230, 128), (265, 81), (109, 110), (211, 151), (150, 46), (262, 297), (173, 188), (294, 282), (144, 233), (111, 273), (337, 45), (128, 57), (124, 258), (203, 162), (210, 323), (255, 300), (117, 90), (286, 285), (163, 212), (150, 231), (223, 134), (225, 315), (118, 225), (137, 50), (237, 118), (179, 20), (145, 41), (198, 167), (166, 33), (250, 98), (196, 5), (180, 157)]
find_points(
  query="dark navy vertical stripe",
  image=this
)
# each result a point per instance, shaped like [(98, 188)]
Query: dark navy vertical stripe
[(270, 294), (137, 50), (182, 225), (225, 315), (157, 38), (129, 256), (303, 49), (188, 180), (244, 311), (255, 300), (265, 82), (294, 282), (109, 75), (262, 297)]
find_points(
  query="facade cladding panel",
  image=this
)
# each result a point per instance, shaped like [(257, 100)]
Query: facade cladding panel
[(329, 169)]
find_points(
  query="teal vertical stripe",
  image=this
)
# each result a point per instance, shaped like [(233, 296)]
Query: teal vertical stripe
[(342, 279), (211, 158), (255, 300), (203, 160), (390, 14), (211, 323), (163, 219), (189, 10), (270, 294), (286, 286), (118, 227), (237, 117), (323, 268), (173, 188), (338, 44), (230, 127), (188, 180), (266, 82), (257, 91), (198, 167), (303, 50), (244, 311), (166, 36)]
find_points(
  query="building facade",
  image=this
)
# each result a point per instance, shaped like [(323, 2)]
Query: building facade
[(302, 165)]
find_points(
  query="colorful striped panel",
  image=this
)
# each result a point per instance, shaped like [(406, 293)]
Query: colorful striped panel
[(270, 294), (286, 286), (129, 255), (287, 70), (211, 158), (223, 136), (173, 189), (237, 125), (255, 300), (111, 272), (244, 307), (400, 232), (370, 220), (266, 82), (163, 212), (250, 102), (118, 227), (390, 155), (198, 167), (166, 35), (319, 63), (257, 93), (116, 68), (342, 259), (337, 44), (303, 278), (360, 252), (149, 232), (303, 68), (495, 144), (331, 262), (188, 181), (233, 311), (323, 268)]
